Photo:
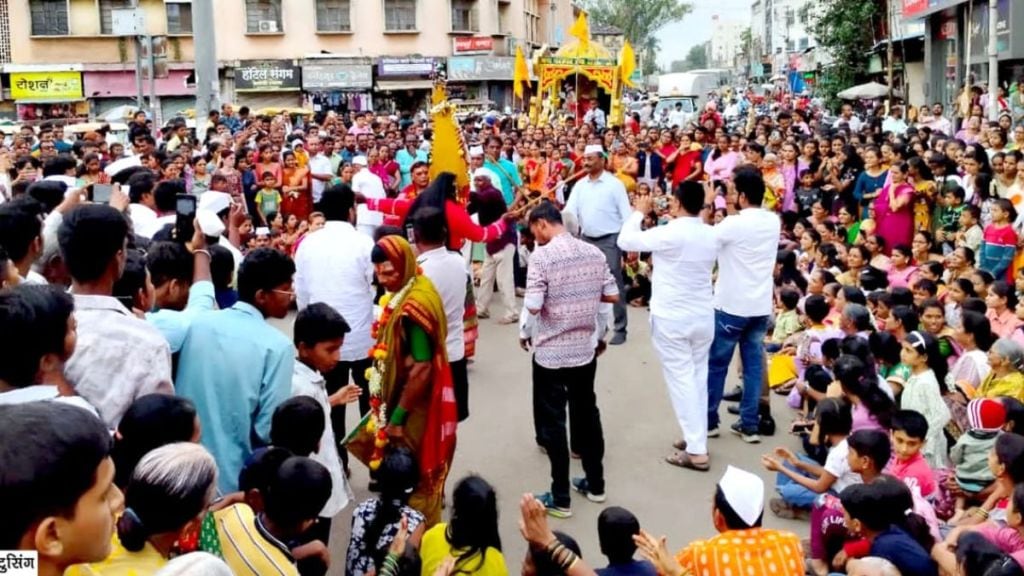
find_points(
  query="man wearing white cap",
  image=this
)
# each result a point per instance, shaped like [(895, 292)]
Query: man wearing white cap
[(682, 318), (218, 204), (369, 185), (601, 206), (476, 165), (742, 547)]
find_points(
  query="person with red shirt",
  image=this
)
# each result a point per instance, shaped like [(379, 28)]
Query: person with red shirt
[(686, 161)]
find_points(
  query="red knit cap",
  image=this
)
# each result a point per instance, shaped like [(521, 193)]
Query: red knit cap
[(986, 414)]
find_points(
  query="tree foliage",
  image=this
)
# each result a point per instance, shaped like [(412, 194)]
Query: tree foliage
[(696, 58), (639, 20), (843, 28)]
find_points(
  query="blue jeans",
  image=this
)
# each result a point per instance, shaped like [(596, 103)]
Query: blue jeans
[(792, 492), (749, 333)]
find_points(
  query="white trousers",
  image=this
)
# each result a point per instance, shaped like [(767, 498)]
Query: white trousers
[(683, 348), (498, 266)]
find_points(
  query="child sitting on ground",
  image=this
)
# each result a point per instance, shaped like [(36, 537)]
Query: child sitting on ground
[(969, 455), (616, 528), (801, 480), (787, 321)]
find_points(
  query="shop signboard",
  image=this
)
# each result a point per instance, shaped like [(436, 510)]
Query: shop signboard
[(267, 76), (411, 66), (472, 44), (337, 77), (470, 69), (53, 86)]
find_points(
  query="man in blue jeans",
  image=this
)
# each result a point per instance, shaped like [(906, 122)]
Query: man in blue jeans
[(747, 246)]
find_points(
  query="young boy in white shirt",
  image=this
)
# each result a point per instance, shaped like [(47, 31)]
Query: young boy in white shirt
[(318, 334)]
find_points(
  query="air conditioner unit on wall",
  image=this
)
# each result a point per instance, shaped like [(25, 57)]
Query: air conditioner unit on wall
[(268, 26)]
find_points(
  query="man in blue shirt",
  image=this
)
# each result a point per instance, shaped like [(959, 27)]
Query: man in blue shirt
[(182, 287), (508, 175), (237, 368), (408, 156)]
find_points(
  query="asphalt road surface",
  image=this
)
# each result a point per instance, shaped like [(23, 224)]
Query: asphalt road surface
[(497, 443)]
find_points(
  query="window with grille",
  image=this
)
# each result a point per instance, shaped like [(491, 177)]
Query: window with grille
[(464, 16), (49, 17), (107, 8), (263, 16), (179, 17), (399, 15), (333, 16)]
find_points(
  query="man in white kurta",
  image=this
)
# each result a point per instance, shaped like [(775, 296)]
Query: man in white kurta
[(682, 315)]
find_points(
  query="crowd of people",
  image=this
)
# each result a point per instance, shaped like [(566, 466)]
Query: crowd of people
[(155, 421)]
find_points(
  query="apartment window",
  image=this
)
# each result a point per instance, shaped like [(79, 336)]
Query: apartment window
[(804, 43), (333, 16), (399, 15), (49, 17), (107, 8), (179, 16), (464, 16), (263, 17), (790, 17)]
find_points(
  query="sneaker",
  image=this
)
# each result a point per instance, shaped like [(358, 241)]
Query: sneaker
[(735, 396), (750, 436), (483, 315), (618, 339), (581, 486), (766, 426), (713, 432), (510, 319), (553, 510)]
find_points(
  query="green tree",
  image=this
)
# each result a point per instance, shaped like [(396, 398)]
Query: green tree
[(843, 28), (639, 20), (695, 59)]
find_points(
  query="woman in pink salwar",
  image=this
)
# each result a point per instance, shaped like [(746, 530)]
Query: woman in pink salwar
[(894, 210)]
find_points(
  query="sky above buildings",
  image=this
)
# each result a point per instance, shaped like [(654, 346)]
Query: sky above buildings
[(677, 38)]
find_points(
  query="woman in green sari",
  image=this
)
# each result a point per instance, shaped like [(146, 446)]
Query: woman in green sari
[(412, 400)]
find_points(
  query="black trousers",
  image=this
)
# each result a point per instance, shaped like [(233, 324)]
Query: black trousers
[(460, 381), (337, 379), (553, 389)]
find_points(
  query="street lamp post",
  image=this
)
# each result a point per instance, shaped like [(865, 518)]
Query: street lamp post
[(993, 61)]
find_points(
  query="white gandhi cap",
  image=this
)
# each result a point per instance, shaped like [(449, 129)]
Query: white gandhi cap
[(476, 151), (744, 492), (594, 149)]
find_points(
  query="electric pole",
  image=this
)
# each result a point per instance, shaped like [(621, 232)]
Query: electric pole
[(204, 40), (993, 61)]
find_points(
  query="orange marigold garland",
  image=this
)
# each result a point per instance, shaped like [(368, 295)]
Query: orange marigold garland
[(376, 424)]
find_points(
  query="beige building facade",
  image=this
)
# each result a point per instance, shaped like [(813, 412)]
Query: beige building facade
[(338, 54)]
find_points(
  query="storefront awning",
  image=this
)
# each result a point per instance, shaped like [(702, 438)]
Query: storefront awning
[(396, 85), (48, 100)]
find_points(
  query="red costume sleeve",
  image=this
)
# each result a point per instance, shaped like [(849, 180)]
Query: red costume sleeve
[(462, 226)]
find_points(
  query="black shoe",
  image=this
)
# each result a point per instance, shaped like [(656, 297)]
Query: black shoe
[(733, 409), (766, 425), (735, 396), (750, 436)]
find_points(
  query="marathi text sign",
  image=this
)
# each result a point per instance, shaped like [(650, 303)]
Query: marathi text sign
[(46, 85), (267, 76), (558, 61), (405, 67), (476, 69), (336, 76)]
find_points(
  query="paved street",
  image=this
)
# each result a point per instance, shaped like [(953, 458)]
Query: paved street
[(497, 443)]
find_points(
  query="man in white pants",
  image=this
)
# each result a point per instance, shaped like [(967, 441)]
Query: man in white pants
[(682, 316)]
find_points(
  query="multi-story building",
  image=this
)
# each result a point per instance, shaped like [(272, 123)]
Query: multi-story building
[(726, 42), (338, 54), (779, 29)]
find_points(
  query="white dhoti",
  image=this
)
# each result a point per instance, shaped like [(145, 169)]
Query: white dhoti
[(683, 348)]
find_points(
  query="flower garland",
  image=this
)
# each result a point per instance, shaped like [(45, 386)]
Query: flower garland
[(377, 423)]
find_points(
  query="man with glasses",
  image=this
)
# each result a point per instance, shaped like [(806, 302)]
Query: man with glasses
[(235, 397)]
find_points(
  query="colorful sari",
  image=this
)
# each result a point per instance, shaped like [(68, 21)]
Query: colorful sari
[(430, 424)]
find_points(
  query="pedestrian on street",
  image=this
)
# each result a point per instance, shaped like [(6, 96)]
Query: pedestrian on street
[(500, 252), (682, 318), (601, 206), (564, 322), (747, 246)]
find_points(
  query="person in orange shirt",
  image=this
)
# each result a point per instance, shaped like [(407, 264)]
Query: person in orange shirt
[(742, 547)]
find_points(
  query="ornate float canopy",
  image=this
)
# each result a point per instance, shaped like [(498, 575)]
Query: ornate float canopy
[(579, 56)]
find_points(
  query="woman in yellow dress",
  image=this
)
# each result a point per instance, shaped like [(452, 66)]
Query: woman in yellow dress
[(624, 166), (412, 398)]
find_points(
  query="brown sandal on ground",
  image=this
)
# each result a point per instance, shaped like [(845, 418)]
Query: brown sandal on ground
[(683, 460)]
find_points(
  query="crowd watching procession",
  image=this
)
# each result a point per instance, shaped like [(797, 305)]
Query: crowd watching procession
[(867, 267)]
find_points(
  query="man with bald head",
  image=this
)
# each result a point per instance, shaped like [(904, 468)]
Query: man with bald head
[(488, 203), (601, 206)]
